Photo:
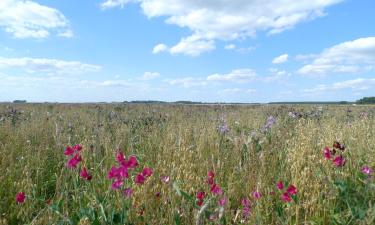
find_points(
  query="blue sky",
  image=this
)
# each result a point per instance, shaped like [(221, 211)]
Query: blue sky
[(213, 50)]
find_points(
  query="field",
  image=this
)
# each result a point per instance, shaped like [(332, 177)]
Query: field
[(186, 164)]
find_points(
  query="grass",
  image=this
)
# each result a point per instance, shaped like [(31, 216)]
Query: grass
[(183, 143)]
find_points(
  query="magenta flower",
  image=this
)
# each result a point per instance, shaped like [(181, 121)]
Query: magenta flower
[(113, 172), (20, 197), (280, 185), (210, 177), (246, 207), (222, 201), (200, 196), (245, 202), (139, 179), (84, 174), (257, 195), (77, 147), (147, 172), (132, 162), (327, 153), (73, 162), (366, 170), (286, 197), (339, 161), (165, 179), (292, 190), (117, 184), (128, 192), (123, 172), (68, 150), (120, 158), (216, 189)]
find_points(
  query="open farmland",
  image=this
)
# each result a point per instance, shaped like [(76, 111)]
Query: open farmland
[(186, 164)]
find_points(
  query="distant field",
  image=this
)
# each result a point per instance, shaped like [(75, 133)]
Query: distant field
[(187, 164)]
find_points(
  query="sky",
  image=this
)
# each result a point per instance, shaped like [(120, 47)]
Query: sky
[(170, 50)]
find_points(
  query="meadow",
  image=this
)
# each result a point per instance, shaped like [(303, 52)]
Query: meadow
[(186, 164)]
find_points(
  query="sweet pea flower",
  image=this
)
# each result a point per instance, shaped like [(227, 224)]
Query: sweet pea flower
[(68, 150), (210, 177), (128, 192), (280, 185), (77, 147), (222, 201), (339, 161), (139, 179), (132, 162), (73, 162), (147, 172), (117, 184), (366, 170), (257, 195), (84, 174), (120, 157), (20, 197), (327, 153), (286, 197), (216, 189), (292, 190)]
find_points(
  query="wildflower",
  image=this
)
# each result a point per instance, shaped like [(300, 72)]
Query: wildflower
[(147, 172), (210, 177), (286, 197), (117, 184), (338, 145), (246, 207), (245, 202), (73, 162), (257, 195), (68, 150), (84, 174), (216, 189), (113, 172), (132, 162), (139, 179), (165, 179), (222, 201), (339, 161), (120, 157), (123, 172), (128, 192), (327, 153), (366, 170), (270, 121), (20, 197), (280, 185), (292, 190), (200, 196), (77, 147)]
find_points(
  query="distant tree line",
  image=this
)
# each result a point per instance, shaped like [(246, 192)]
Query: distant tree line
[(366, 100)]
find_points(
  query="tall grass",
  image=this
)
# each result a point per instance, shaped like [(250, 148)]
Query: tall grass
[(184, 143)]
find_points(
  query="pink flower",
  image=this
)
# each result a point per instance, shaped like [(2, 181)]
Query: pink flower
[(139, 179), (147, 172), (20, 197), (117, 184), (128, 192), (245, 202), (257, 195), (68, 150), (286, 197), (339, 161), (246, 207), (123, 172), (84, 174), (366, 170), (113, 172), (280, 185), (132, 162), (200, 196), (73, 162), (327, 153), (165, 179), (222, 201), (77, 147), (210, 177), (215, 189), (292, 190), (120, 157)]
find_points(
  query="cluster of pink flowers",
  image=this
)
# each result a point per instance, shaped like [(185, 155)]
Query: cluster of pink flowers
[(75, 158), (286, 196), (246, 210), (329, 154), (121, 173), (215, 189)]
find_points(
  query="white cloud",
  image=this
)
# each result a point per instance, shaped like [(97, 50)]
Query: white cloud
[(237, 91), (277, 75), (230, 46), (238, 76), (113, 3), (355, 85), (192, 46), (348, 57), (212, 20), (48, 66), (280, 59), (160, 48), (28, 19), (150, 75), (188, 82), (242, 50)]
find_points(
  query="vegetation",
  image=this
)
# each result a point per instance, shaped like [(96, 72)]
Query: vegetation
[(186, 164), (367, 100)]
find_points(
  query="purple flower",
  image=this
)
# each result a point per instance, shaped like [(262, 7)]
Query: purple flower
[(366, 170)]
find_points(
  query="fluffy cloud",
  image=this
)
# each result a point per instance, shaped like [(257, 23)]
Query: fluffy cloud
[(237, 91), (48, 66), (348, 57), (160, 48), (28, 19), (280, 59), (212, 20), (150, 75), (114, 3), (188, 82), (359, 84), (237, 76), (277, 75)]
